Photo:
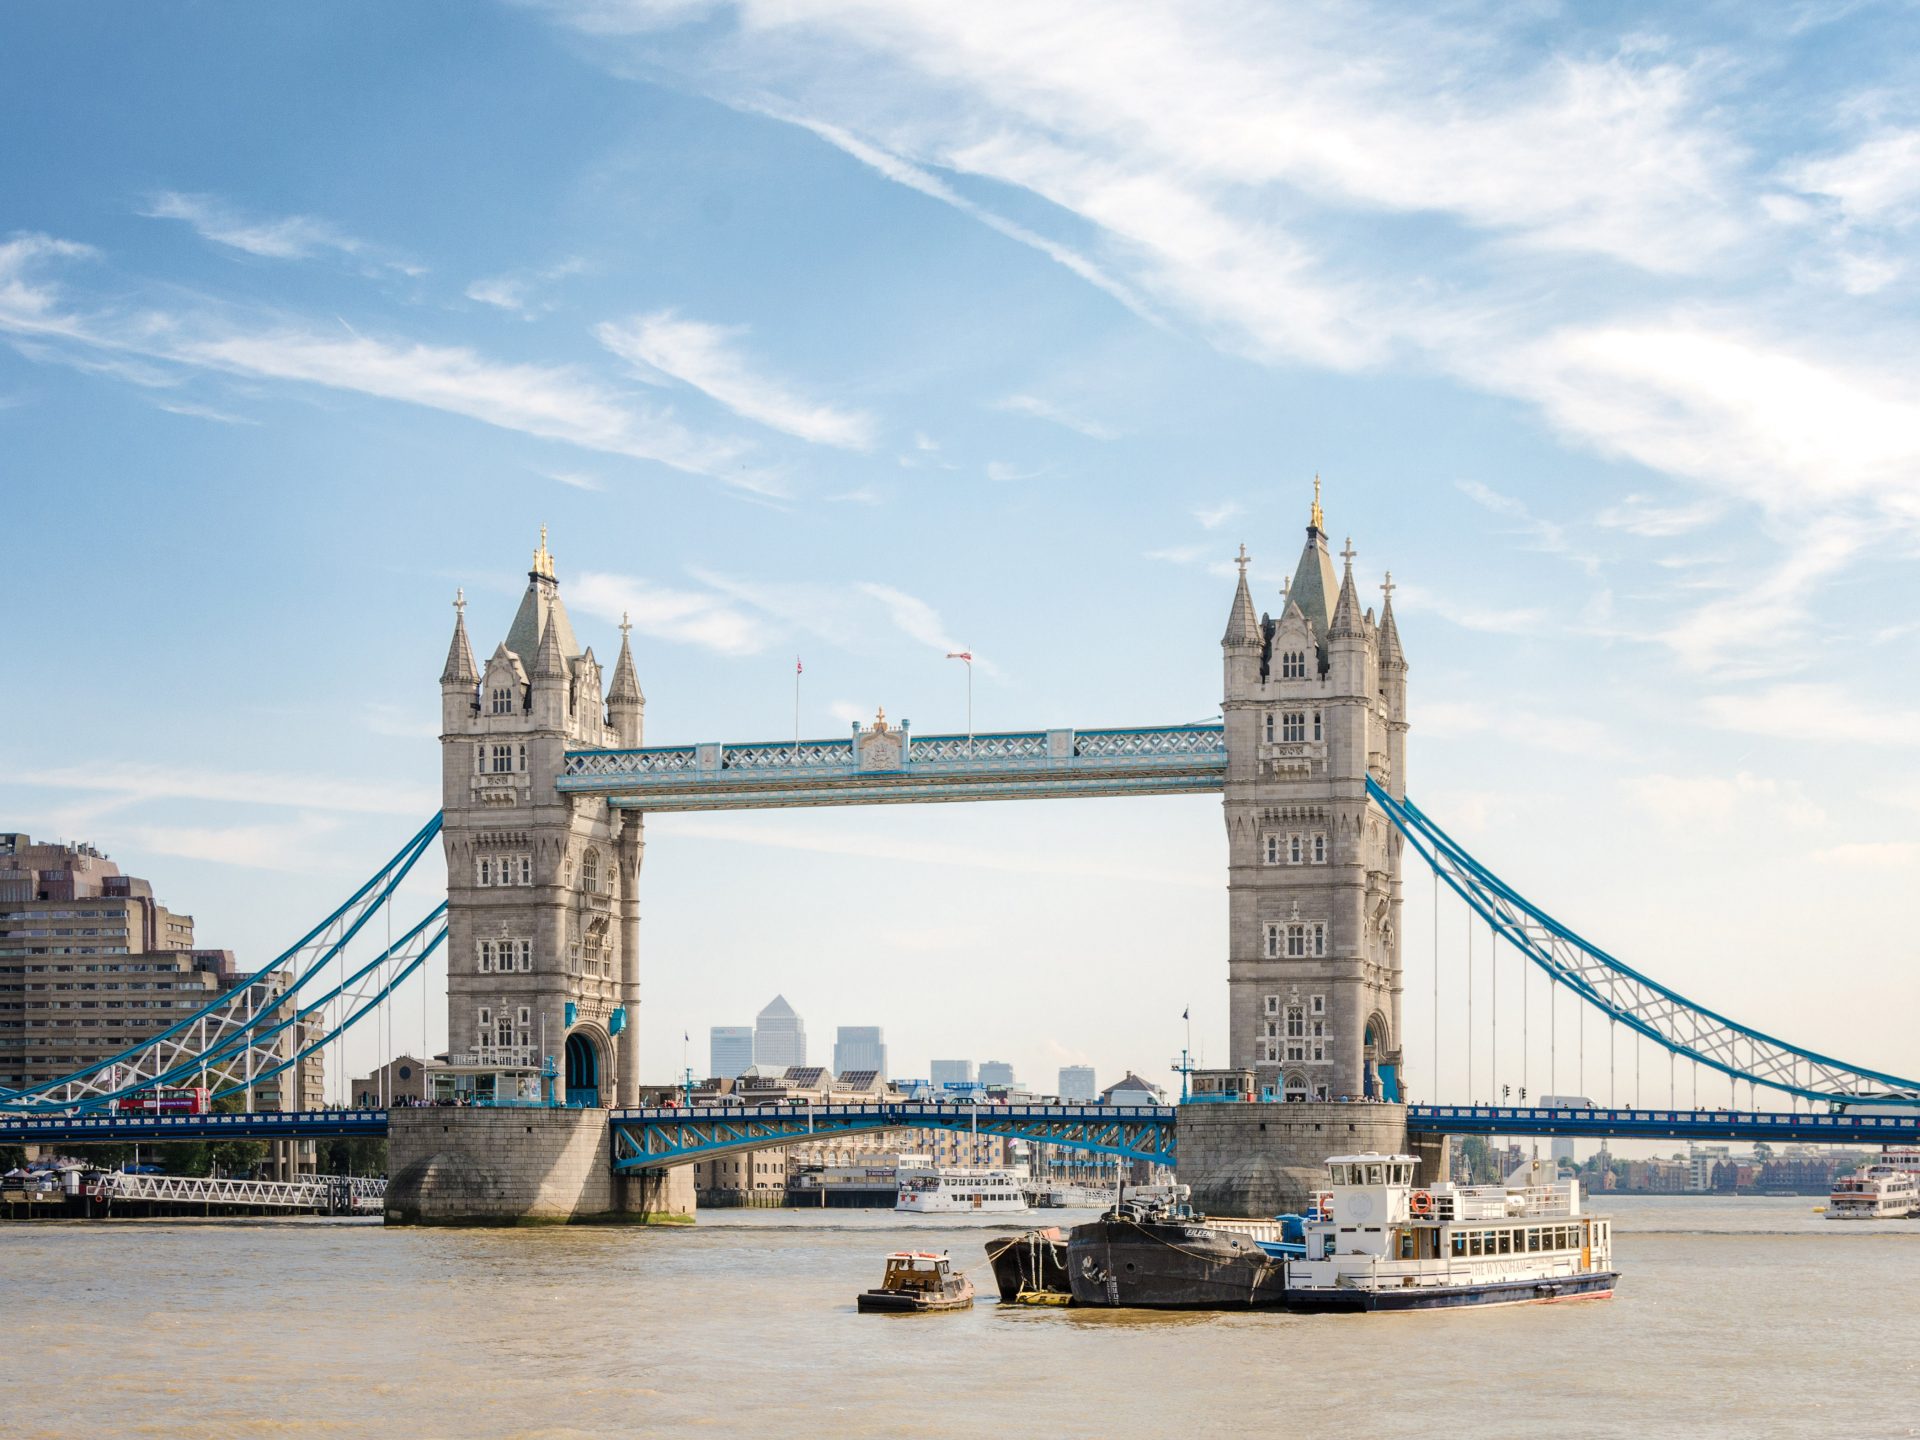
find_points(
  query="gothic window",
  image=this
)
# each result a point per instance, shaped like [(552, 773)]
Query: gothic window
[(526, 956), (486, 957), (1296, 850), (1269, 727), (1293, 725), (480, 759), (502, 759), (573, 959), (486, 1019), (503, 702), (1273, 941), (1316, 725), (1319, 937), (590, 872), (523, 757), (526, 870), (1319, 848), (1296, 1023), (505, 1032), (1319, 1052), (1270, 1051), (1319, 1004), (1273, 1004), (1273, 849), (525, 1016), (483, 870), (1295, 1088), (1296, 941), (1293, 665)]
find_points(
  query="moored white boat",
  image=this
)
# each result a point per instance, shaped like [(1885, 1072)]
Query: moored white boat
[(1379, 1242), (1886, 1190), (954, 1190)]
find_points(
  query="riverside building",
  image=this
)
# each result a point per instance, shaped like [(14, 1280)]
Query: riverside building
[(92, 964)]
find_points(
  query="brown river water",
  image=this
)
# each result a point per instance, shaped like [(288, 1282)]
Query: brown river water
[(1749, 1317)]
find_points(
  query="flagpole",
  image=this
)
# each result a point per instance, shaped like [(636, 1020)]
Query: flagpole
[(796, 707), (967, 656)]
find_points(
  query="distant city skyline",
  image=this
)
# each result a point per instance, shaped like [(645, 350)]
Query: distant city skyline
[(860, 1047)]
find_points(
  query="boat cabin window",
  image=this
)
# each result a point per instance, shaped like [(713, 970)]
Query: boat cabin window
[(1406, 1245), (1376, 1174)]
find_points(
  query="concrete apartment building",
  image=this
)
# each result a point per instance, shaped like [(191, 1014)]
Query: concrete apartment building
[(92, 964)]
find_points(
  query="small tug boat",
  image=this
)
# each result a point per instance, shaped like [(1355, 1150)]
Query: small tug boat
[(1377, 1242), (917, 1281), (1031, 1268), (1161, 1255)]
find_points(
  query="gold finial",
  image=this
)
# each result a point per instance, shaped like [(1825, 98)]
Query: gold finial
[(880, 719), (542, 559), (1318, 521)]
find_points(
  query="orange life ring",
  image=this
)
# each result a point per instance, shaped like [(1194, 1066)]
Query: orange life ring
[(1324, 1203), (1420, 1202)]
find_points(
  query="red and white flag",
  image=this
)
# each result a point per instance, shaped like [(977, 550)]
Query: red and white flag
[(966, 655), (796, 665)]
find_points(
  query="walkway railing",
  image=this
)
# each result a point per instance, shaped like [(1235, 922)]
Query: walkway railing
[(893, 766), (1845, 1128), (328, 1194)]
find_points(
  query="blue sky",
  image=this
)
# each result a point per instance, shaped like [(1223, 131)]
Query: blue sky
[(861, 332)]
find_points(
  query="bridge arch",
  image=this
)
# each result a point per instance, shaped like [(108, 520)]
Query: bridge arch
[(586, 1075)]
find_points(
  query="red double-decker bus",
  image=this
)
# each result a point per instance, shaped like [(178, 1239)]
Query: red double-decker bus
[(167, 1100)]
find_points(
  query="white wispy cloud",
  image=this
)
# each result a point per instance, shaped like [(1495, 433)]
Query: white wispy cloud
[(1045, 410), (1813, 713), (1212, 517), (1690, 802), (290, 848), (128, 784), (523, 292), (670, 613), (285, 237), (919, 621), (1516, 724), (708, 358), (550, 402)]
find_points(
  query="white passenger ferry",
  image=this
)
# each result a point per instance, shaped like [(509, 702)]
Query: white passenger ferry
[(951, 1190), (1379, 1242), (1887, 1189)]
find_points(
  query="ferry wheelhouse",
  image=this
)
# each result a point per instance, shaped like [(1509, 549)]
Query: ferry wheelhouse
[(948, 1190), (1376, 1241)]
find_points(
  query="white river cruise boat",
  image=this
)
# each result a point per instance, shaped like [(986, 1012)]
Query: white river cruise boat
[(1888, 1189), (1379, 1242), (953, 1190)]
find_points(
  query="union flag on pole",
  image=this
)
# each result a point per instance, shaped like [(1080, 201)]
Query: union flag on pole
[(966, 655), (796, 665)]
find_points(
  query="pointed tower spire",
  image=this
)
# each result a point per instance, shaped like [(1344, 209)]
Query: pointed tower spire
[(1243, 622), (1346, 611), (460, 669), (626, 680), (1391, 655), (550, 661)]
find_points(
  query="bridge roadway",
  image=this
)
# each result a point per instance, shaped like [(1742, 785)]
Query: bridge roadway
[(655, 1137)]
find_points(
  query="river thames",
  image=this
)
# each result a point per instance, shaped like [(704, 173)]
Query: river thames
[(1748, 1317)]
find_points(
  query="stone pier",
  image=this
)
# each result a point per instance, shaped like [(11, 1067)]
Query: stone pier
[(1269, 1158), (512, 1166)]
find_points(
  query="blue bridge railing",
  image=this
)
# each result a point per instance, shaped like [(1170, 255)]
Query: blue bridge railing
[(1815, 1128), (653, 1138)]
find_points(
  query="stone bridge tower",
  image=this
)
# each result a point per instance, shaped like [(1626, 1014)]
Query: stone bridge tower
[(543, 907), (1316, 701)]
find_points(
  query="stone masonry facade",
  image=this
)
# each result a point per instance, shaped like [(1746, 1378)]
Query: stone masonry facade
[(543, 911), (1316, 701)]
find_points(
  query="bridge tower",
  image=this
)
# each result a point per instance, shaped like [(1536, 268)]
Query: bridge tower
[(543, 909), (1316, 700)]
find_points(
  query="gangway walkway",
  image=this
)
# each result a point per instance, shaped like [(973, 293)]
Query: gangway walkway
[(197, 1194)]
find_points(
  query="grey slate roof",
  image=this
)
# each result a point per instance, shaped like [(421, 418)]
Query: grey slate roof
[(1314, 585), (541, 602)]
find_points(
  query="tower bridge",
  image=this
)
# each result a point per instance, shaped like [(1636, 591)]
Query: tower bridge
[(546, 780)]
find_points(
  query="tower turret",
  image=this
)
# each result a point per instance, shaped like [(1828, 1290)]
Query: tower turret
[(459, 677), (626, 705), (1244, 642)]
